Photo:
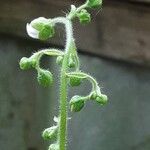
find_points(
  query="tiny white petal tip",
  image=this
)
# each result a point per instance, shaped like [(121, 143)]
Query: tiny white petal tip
[(31, 31), (56, 119)]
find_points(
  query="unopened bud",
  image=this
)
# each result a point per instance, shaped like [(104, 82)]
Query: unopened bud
[(75, 80), (50, 133), (102, 99), (45, 78), (27, 63), (77, 103), (84, 16)]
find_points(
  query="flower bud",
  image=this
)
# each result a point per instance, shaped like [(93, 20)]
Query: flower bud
[(45, 78), (77, 103), (50, 133), (59, 60), (94, 3), (71, 61), (75, 81), (27, 63), (84, 16), (102, 99), (24, 63), (54, 146), (41, 28)]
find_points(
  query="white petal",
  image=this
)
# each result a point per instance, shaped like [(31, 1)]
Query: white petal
[(31, 31), (56, 119)]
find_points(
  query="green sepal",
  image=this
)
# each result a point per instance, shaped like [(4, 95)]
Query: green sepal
[(45, 78), (77, 103), (94, 3), (76, 78), (75, 81), (84, 17), (39, 23), (46, 32), (50, 133)]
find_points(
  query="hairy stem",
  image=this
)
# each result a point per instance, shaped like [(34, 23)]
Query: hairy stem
[(63, 106), (62, 134)]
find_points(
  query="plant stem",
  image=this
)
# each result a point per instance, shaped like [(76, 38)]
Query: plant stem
[(63, 106), (62, 134)]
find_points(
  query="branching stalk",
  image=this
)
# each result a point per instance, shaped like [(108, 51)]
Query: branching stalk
[(43, 29)]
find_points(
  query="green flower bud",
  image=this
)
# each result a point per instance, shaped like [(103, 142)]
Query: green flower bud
[(24, 63), (59, 60), (77, 103), (71, 61), (27, 63), (84, 16), (94, 3), (54, 146), (75, 81), (50, 133), (102, 99), (45, 78), (46, 32)]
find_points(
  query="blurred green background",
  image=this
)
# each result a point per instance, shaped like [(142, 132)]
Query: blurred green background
[(119, 62)]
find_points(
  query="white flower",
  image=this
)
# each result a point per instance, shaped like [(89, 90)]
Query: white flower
[(31, 28), (31, 31), (40, 28)]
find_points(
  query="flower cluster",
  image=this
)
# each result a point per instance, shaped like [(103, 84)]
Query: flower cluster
[(43, 29), (77, 102), (44, 77)]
